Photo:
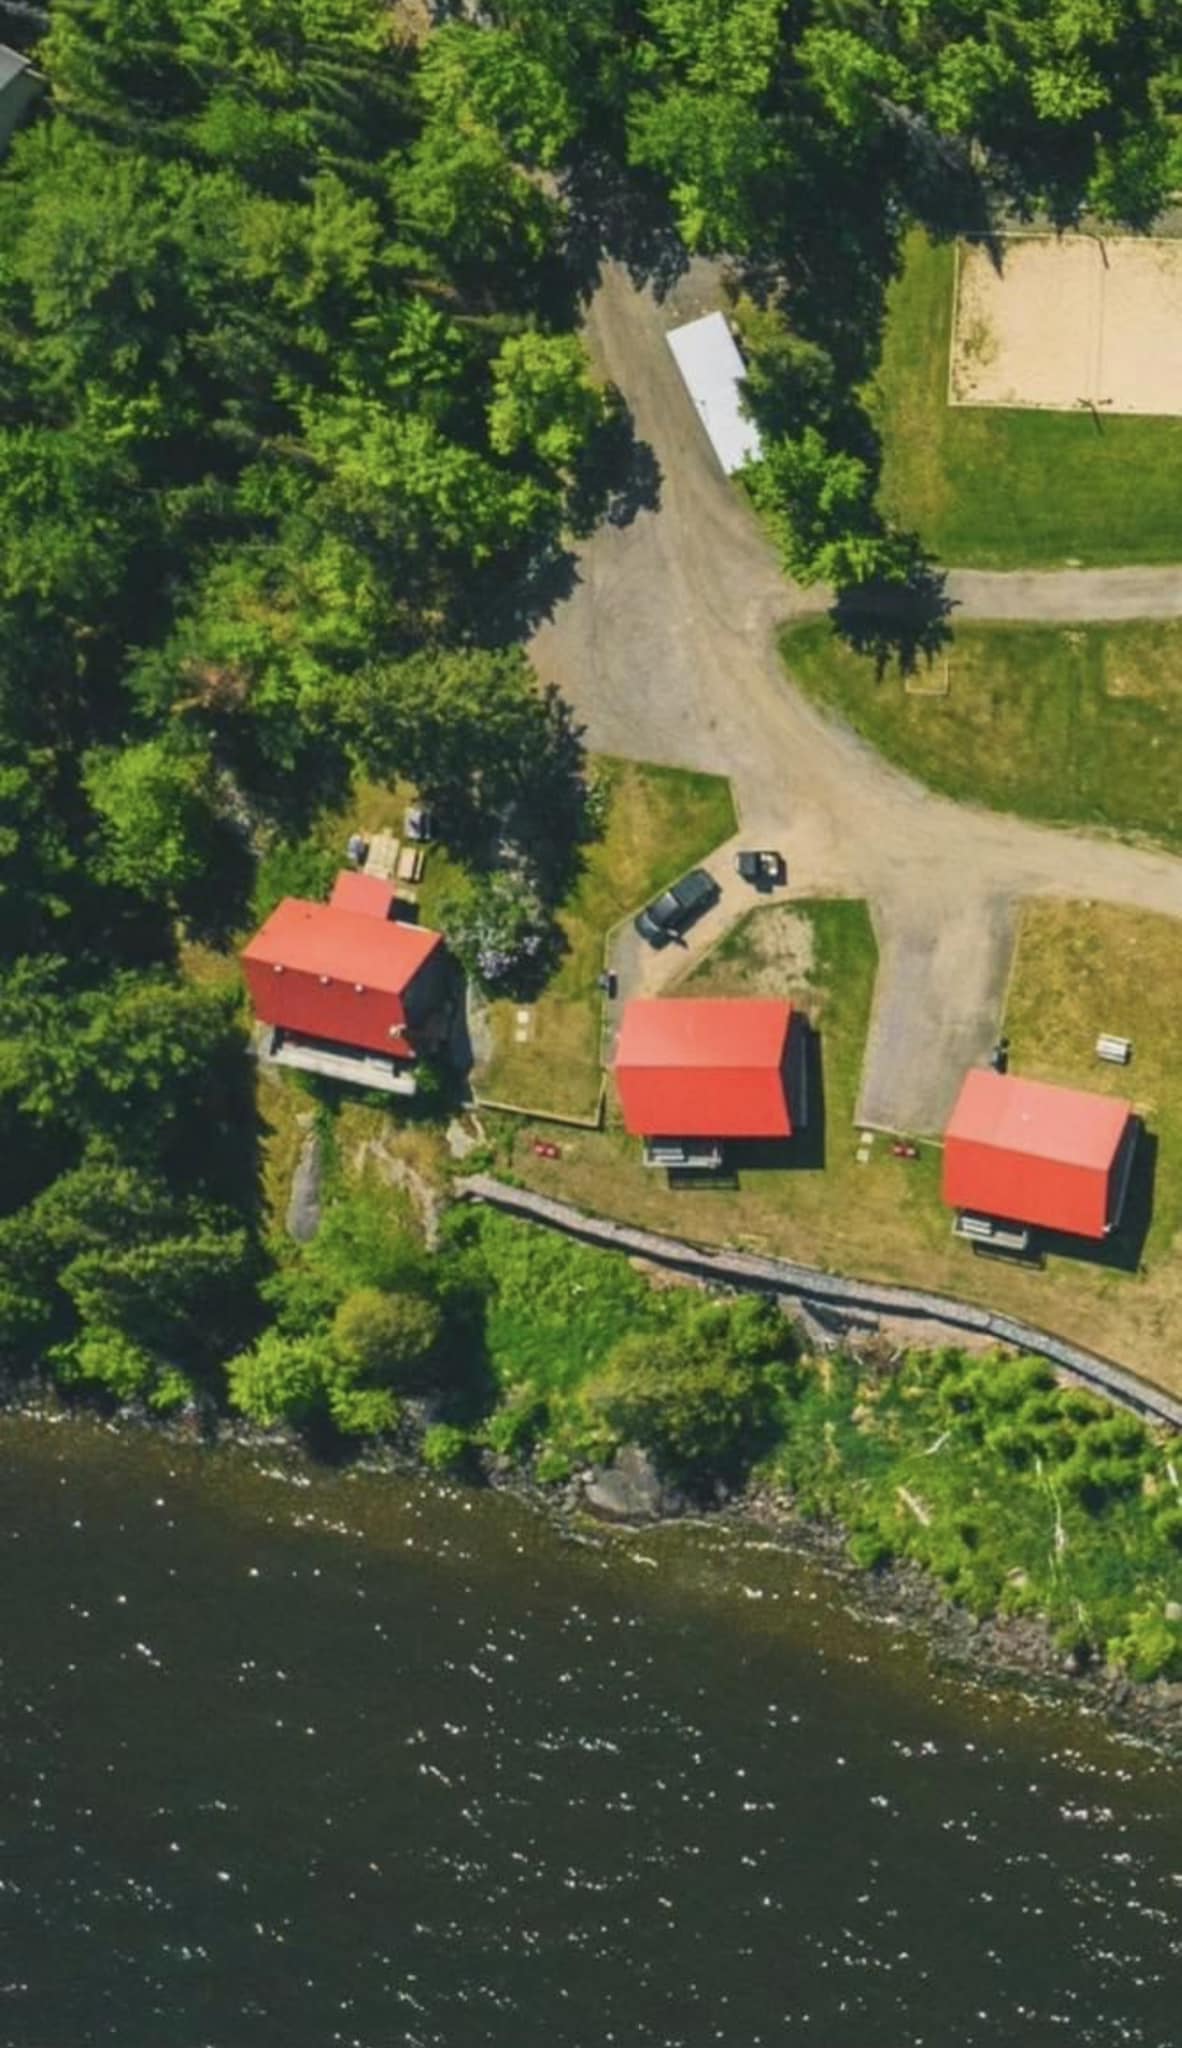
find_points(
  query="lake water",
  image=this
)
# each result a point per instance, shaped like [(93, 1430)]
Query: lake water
[(355, 1760)]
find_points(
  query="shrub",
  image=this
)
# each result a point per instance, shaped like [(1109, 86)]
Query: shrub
[(278, 1380), (392, 1338), (553, 1465), (108, 1359), (1152, 1648), (702, 1397), (363, 1242), (512, 1431), (293, 868), (359, 1410), (445, 1447), (171, 1391), (1169, 1526), (499, 931), (869, 1549)]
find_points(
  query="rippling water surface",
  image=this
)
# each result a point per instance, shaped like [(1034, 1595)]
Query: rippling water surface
[(360, 1761)]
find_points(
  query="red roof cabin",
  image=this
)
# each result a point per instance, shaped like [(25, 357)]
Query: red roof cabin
[(1031, 1156), (347, 991), (692, 1073)]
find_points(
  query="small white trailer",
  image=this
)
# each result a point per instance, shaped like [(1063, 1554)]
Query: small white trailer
[(712, 371)]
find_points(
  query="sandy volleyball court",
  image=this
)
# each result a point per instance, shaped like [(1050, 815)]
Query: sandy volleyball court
[(1069, 321)]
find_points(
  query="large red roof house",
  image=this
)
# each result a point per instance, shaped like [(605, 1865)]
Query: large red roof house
[(1027, 1155), (693, 1073), (346, 990)]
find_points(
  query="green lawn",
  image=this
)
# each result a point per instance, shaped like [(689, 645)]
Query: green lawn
[(999, 489), (659, 822), (1078, 968), (822, 1205), (556, 1309), (1076, 725)]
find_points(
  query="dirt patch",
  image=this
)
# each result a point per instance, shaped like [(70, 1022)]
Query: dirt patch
[(399, 1173), (1069, 322), (1151, 678), (771, 953)]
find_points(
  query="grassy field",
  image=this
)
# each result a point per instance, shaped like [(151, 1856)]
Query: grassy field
[(1018, 1495), (557, 1308), (659, 822), (999, 489), (1077, 725), (1078, 969)]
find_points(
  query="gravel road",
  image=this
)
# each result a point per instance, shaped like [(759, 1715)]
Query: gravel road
[(666, 648)]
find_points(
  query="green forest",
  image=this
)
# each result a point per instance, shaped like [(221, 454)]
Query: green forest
[(296, 434)]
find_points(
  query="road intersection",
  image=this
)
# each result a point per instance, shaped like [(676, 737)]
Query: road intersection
[(667, 651)]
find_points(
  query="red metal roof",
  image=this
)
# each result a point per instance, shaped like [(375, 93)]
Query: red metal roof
[(712, 1067), (368, 894), (336, 974), (347, 945), (1027, 1152)]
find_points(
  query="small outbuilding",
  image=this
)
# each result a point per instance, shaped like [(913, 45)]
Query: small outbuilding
[(1026, 1154), (712, 371), (368, 895), (20, 85), (692, 1073), (346, 990)]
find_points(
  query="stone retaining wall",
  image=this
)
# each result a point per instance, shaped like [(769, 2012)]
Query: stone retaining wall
[(827, 1290)]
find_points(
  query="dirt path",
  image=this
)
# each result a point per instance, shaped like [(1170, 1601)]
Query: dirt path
[(667, 651), (1067, 596)]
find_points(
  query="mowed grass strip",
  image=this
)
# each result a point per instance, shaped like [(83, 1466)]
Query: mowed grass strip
[(1072, 725), (659, 822), (992, 488)]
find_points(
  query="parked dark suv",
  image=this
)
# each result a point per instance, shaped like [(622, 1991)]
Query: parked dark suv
[(669, 916)]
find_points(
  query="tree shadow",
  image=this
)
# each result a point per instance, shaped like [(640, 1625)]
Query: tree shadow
[(618, 478), (830, 257), (219, 904), (540, 832), (950, 199), (216, 1144), (903, 622), (622, 216), (291, 786), (505, 603)]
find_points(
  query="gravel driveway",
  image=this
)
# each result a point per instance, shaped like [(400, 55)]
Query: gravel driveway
[(667, 651)]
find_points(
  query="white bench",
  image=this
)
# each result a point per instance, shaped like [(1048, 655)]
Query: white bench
[(1118, 1050)]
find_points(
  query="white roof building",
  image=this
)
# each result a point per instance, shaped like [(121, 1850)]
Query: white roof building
[(712, 369), (19, 86)]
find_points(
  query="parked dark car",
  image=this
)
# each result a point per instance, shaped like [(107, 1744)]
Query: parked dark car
[(670, 915), (762, 868)]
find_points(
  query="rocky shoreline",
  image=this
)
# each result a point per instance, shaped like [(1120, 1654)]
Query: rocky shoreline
[(1009, 1651), (598, 1503)]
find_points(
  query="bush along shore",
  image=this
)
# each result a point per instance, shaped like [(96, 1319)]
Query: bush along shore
[(1026, 1525)]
